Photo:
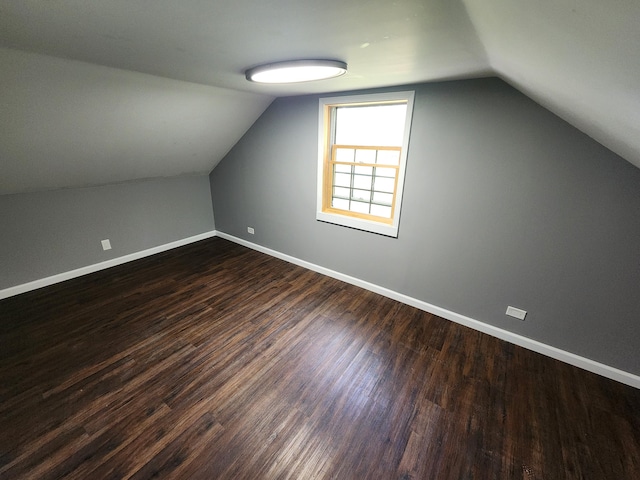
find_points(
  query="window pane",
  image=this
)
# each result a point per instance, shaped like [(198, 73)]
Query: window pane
[(383, 198), (385, 172), (365, 156), (362, 181), (342, 180), (381, 211), (363, 170), (363, 195), (389, 157), (344, 154), (342, 192), (371, 125), (340, 203), (360, 207), (383, 184), (338, 167)]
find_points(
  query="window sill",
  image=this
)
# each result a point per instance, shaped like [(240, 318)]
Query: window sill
[(358, 223)]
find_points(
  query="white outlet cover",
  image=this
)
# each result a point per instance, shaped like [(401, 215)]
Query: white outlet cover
[(106, 244), (516, 313)]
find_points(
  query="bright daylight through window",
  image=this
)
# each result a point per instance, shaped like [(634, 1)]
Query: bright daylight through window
[(362, 158)]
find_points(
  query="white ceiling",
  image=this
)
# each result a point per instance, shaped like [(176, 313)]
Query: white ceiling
[(579, 58)]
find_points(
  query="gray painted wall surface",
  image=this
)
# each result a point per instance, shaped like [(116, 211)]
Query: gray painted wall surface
[(46, 233), (504, 204)]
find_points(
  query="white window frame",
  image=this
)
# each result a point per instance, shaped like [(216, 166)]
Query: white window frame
[(324, 144)]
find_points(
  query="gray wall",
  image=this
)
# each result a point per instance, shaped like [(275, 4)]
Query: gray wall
[(51, 232), (504, 204)]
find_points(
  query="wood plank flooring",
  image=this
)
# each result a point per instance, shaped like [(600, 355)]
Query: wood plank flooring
[(214, 361)]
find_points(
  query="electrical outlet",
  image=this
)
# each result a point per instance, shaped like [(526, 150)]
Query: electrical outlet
[(516, 313), (106, 244), (251, 230)]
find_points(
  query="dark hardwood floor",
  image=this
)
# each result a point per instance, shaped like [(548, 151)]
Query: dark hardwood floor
[(213, 361)]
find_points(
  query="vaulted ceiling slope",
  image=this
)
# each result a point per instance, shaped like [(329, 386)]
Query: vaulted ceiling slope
[(98, 92), (578, 58)]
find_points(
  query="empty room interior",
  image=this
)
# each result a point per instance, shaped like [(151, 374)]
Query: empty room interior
[(424, 265)]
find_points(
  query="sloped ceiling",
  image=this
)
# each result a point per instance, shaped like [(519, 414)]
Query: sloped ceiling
[(98, 92), (578, 58)]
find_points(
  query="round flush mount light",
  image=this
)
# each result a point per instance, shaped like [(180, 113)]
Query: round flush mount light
[(295, 71)]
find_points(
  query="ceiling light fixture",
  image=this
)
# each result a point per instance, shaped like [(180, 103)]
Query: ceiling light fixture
[(295, 71)]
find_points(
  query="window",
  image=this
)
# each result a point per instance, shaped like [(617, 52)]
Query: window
[(361, 160)]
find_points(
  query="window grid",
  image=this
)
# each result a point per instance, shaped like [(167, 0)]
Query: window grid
[(345, 197)]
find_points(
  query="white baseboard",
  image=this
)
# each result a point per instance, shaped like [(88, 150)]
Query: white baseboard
[(553, 352), (539, 347), (61, 277)]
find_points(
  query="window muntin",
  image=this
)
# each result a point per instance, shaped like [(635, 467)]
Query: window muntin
[(364, 179), (362, 158)]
